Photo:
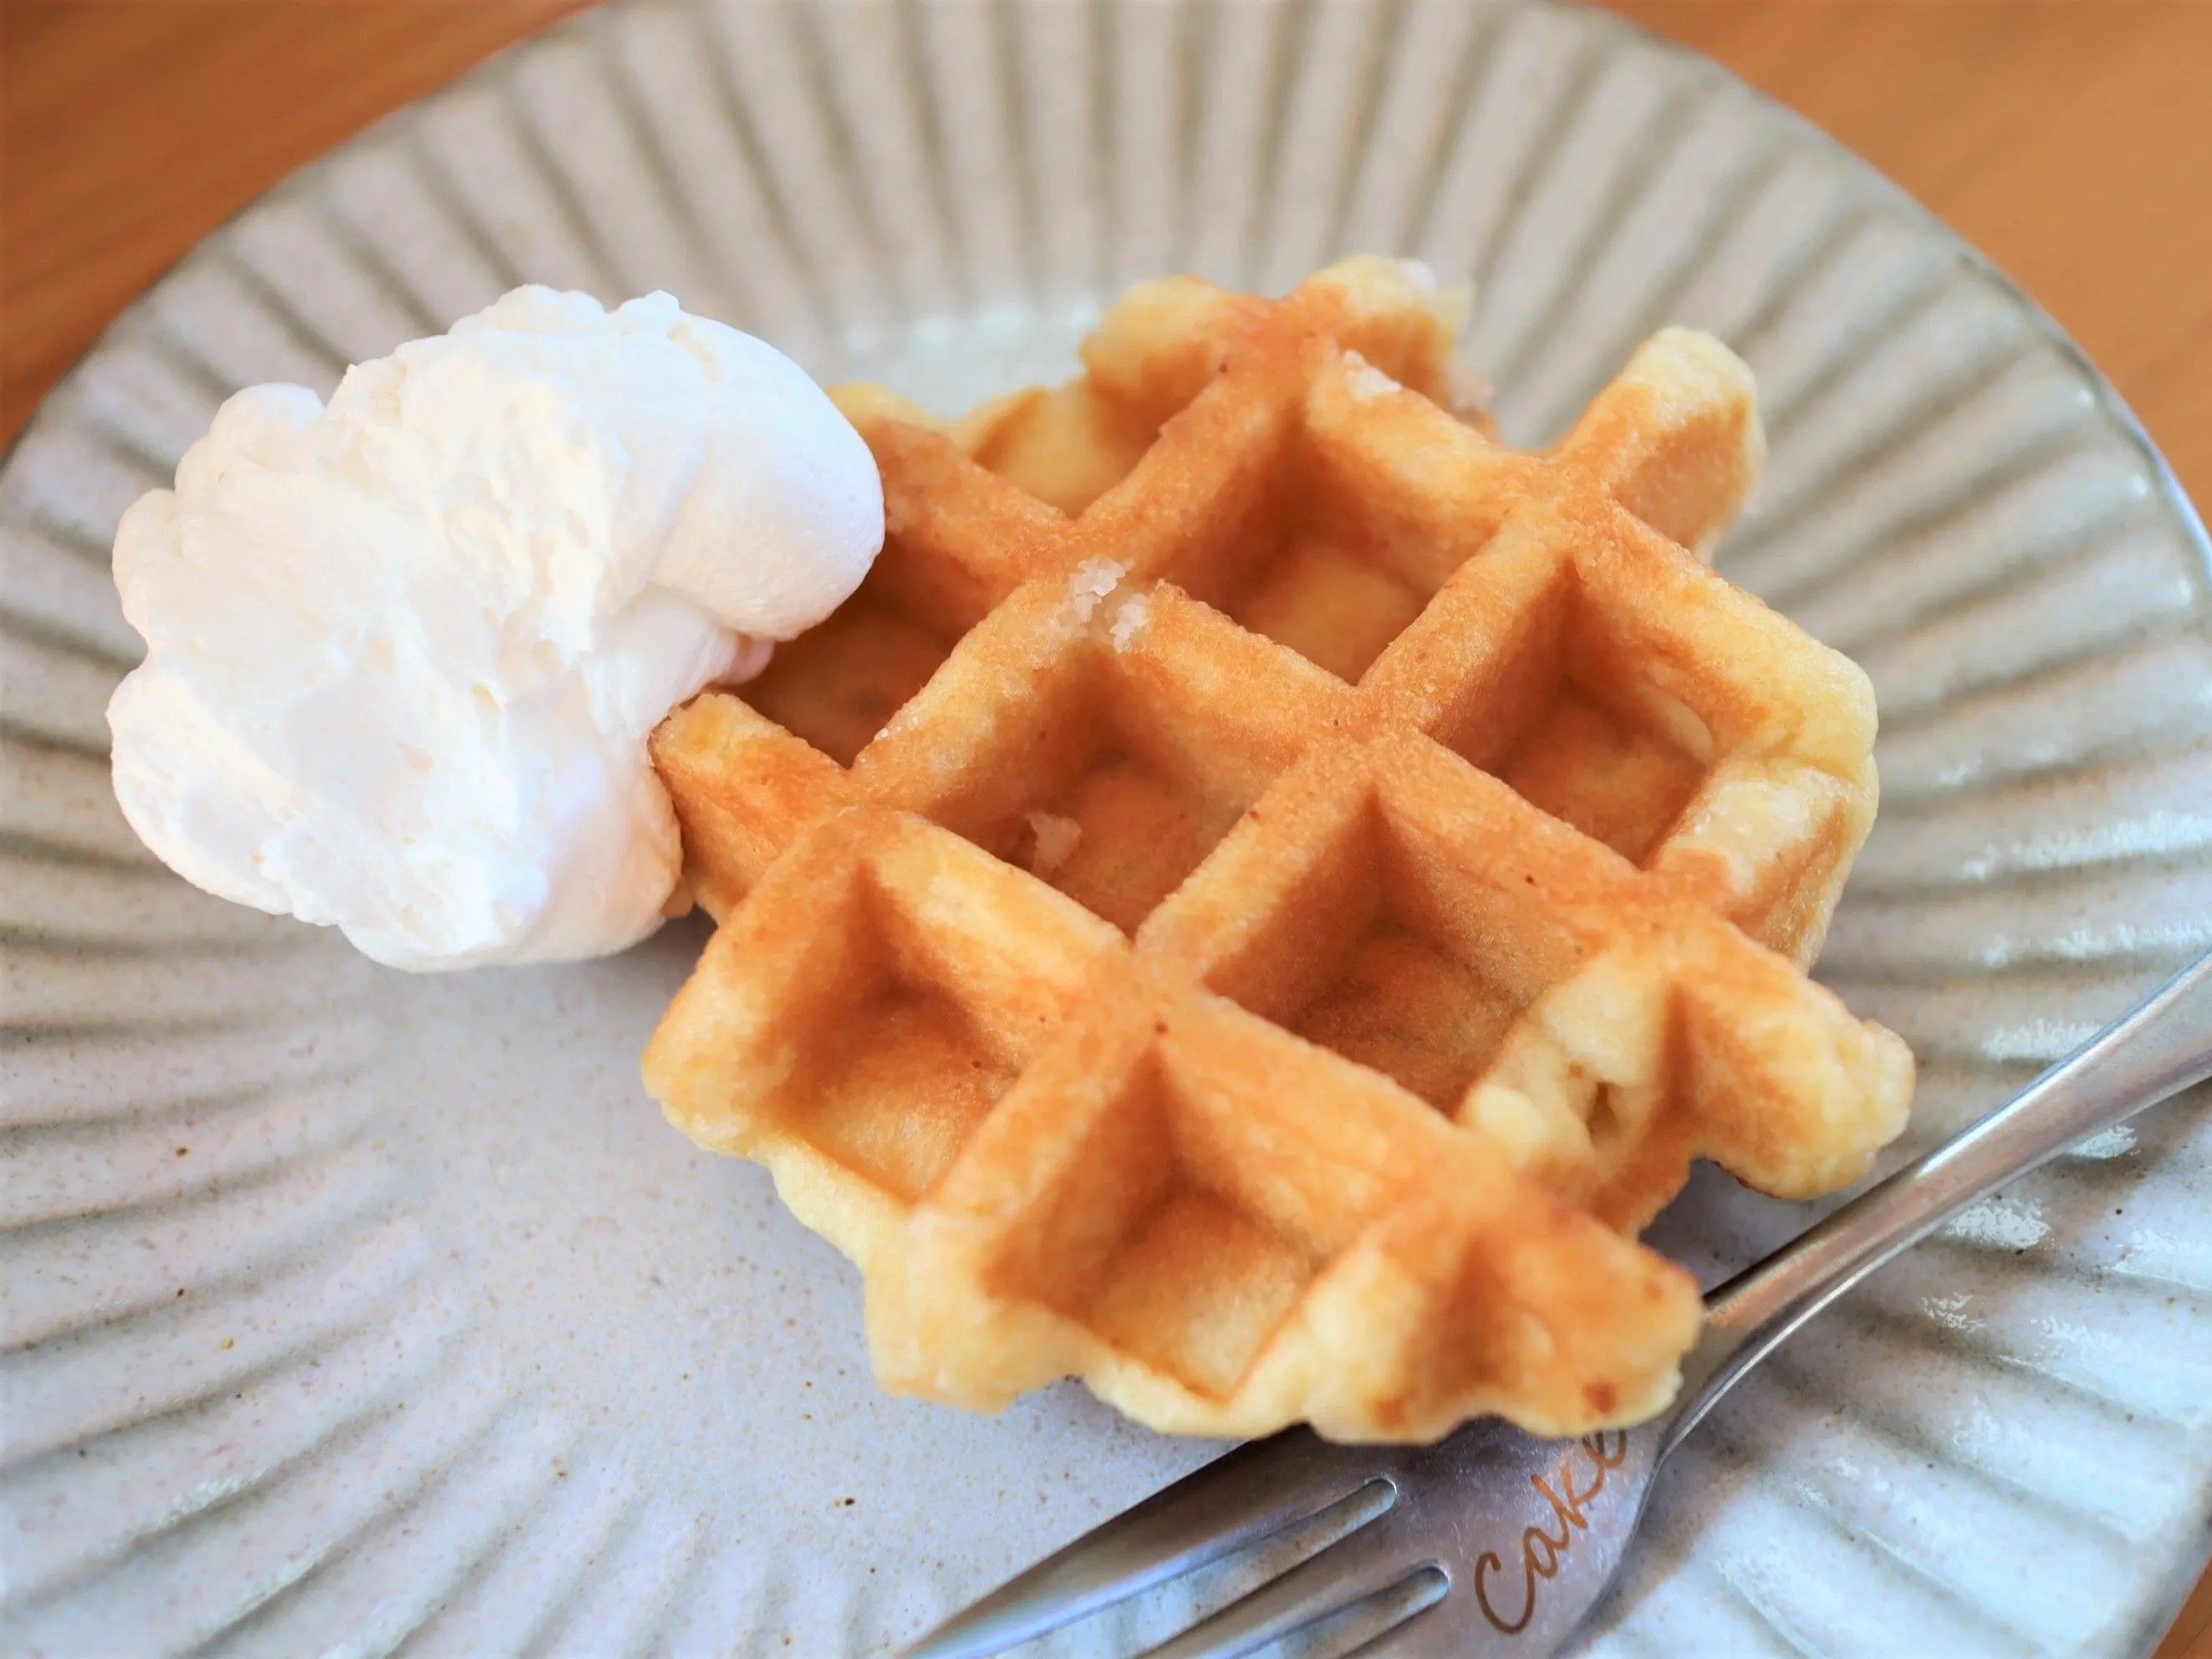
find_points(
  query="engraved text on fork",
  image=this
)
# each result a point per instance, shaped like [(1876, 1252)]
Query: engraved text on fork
[(1541, 1552)]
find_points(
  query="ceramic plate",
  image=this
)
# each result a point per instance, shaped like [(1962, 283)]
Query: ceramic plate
[(348, 1312)]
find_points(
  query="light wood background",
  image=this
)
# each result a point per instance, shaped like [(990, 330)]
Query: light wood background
[(2070, 139)]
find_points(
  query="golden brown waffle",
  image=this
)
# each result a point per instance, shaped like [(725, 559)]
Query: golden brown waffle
[(1335, 1078)]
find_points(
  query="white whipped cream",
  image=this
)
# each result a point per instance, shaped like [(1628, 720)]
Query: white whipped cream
[(404, 650)]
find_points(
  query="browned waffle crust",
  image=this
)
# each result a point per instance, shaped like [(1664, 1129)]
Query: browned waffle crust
[(1265, 890)]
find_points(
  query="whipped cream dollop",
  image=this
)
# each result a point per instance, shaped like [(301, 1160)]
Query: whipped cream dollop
[(405, 649)]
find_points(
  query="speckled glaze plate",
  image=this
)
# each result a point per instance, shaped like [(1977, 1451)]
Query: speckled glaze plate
[(347, 1313)]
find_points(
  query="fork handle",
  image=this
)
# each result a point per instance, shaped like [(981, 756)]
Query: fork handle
[(2162, 1046)]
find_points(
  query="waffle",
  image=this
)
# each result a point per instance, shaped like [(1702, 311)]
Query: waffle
[(1265, 891)]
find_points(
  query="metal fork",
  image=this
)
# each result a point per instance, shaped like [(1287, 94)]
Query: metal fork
[(1493, 1542)]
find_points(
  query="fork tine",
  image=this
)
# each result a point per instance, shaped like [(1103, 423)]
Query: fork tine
[(1254, 1490), (1366, 1562)]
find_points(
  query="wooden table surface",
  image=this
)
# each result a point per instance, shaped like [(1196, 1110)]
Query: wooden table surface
[(2070, 139)]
